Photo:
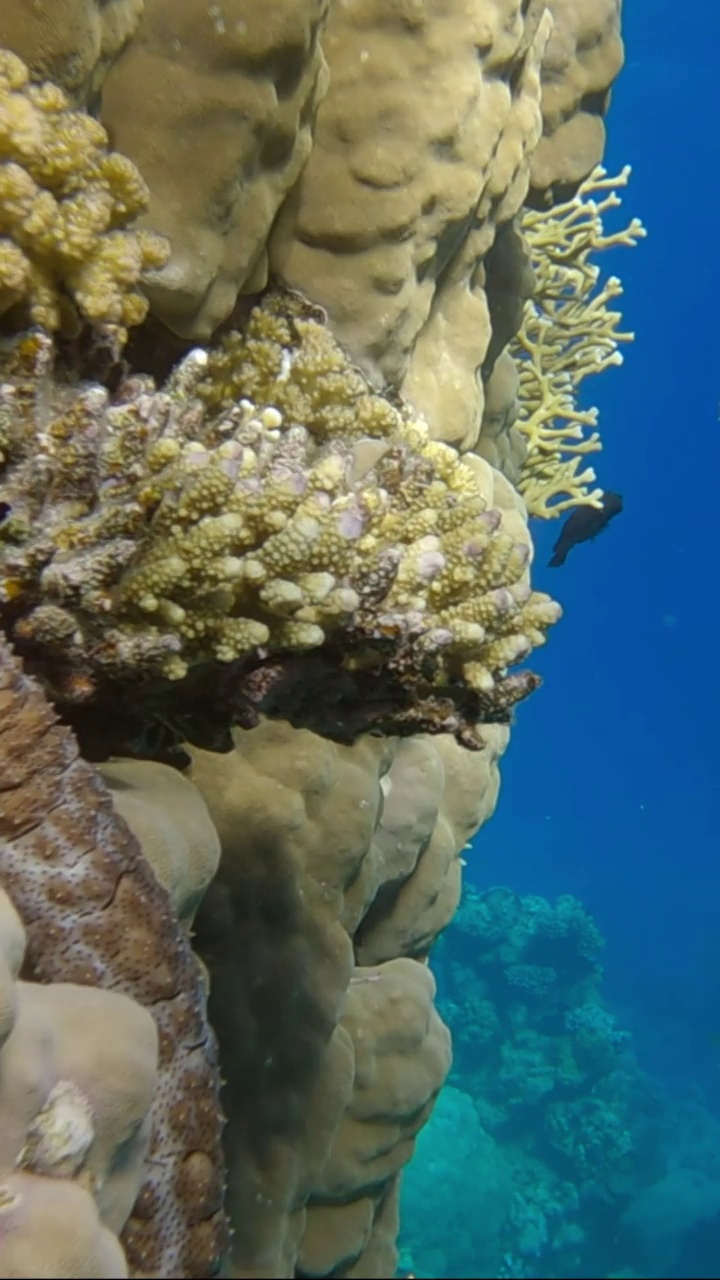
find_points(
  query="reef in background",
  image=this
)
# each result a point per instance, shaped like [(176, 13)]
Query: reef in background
[(582, 1163)]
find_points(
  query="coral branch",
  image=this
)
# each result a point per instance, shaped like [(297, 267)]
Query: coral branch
[(568, 332), (66, 202), (265, 501)]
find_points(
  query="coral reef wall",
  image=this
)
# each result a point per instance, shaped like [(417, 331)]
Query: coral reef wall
[(340, 867), (95, 915), (275, 586)]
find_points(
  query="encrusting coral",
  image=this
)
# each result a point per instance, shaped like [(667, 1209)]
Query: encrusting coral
[(95, 915), (65, 205), (77, 1078), (263, 503), (568, 332)]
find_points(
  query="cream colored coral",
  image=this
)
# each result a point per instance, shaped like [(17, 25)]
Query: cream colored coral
[(77, 1075), (52, 1228), (436, 796), (569, 332), (215, 103), (65, 203), (170, 820), (421, 148), (500, 443), (399, 1054)]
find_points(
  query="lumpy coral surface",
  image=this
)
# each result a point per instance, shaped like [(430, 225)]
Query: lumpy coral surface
[(265, 500)]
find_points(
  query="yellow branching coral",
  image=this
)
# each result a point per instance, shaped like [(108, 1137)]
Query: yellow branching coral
[(65, 205), (568, 332), (265, 500)]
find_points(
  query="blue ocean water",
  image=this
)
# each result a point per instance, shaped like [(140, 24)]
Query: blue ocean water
[(610, 789), (610, 784)]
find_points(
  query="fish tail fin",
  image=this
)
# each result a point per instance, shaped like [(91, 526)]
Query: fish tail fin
[(559, 557)]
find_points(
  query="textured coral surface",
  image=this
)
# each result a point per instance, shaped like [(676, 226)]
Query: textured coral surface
[(77, 1077), (582, 59), (263, 502), (95, 915), (241, 564), (171, 823), (421, 148), (65, 204), (224, 95), (69, 41), (336, 861)]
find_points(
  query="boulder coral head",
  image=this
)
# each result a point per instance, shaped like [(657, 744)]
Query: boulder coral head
[(261, 529)]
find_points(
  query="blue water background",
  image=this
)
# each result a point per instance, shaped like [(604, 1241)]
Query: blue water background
[(610, 786)]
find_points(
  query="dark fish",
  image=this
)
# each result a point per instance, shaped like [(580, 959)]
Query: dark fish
[(583, 524)]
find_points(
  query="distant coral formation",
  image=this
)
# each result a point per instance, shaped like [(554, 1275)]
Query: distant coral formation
[(548, 1120)]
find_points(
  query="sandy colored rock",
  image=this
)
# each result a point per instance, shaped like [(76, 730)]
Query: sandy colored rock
[(69, 41), (582, 59), (421, 148), (77, 1079), (169, 818), (215, 104)]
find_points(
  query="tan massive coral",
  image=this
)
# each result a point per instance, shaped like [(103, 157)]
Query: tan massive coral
[(436, 796), (71, 42), (421, 148), (77, 1078), (340, 865), (215, 103), (582, 59), (398, 1055)]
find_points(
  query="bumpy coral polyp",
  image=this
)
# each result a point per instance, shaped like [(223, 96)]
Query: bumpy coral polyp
[(66, 203), (263, 500)]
